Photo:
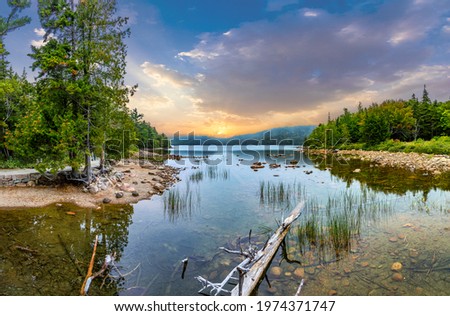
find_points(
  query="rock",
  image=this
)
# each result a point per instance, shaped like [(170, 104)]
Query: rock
[(364, 264), (398, 277), (299, 272), (393, 239), (357, 171), (31, 183), (106, 200), (276, 271), (332, 292), (71, 213), (413, 253), (396, 266), (135, 193), (93, 189), (119, 195)]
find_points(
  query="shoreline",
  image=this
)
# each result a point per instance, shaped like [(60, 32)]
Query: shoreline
[(429, 163), (135, 182)]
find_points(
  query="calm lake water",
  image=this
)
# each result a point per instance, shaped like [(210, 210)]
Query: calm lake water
[(358, 221)]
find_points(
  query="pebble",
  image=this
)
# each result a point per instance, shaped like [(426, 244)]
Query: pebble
[(413, 253), (401, 236), (398, 277), (364, 264), (288, 274), (332, 292), (396, 266), (119, 195), (300, 272), (393, 239), (276, 271), (71, 213), (106, 200), (134, 193)]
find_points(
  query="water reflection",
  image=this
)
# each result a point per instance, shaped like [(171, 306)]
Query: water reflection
[(47, 251), (355, 226)]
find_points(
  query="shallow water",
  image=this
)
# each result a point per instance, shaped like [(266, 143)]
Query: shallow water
[(220, 199)]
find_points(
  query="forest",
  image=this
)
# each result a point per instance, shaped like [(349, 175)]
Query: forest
[(414, 125), (76, 106)]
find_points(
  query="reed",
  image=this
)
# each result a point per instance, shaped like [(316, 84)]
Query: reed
[(181, 204), (212, 173), (280, 195), (331, 228)]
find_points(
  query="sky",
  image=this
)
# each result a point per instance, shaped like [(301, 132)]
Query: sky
[(229, 67)]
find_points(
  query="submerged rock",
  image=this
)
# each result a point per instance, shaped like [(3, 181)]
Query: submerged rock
[(276, 271), (398, 277), (396, 266), (299, 272)]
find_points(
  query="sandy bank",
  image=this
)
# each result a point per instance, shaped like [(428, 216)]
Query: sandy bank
[(136, 183)]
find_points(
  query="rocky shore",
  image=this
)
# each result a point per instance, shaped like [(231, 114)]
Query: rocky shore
[(431, 164), (128, 182)]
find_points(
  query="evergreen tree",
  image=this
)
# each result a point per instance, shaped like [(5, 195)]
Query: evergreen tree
[(81, 95)]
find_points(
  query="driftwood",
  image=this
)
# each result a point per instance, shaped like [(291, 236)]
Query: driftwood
[(252, 270), (88, 279), (264, 257), (300, 288)]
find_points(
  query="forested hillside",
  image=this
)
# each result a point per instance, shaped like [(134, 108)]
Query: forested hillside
[(417, 124)]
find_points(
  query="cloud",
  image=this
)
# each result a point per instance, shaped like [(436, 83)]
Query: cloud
[(308, 59), (163, 76), (41, 33)]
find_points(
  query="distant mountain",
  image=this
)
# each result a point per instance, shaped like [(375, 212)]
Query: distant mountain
[(292, 135)]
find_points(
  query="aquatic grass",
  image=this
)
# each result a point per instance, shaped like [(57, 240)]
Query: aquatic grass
[(331, 229), (181, 204), (280, 195), (211, 172)]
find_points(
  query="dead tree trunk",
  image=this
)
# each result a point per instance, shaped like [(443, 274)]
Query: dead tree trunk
[(255, 274), (250, 272)]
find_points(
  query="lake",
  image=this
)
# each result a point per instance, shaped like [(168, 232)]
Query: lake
[(358, 222)]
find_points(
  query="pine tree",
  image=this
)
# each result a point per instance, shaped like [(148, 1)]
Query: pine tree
[(81, 95)]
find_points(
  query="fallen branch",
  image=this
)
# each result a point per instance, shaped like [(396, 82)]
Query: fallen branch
[(252, 269), (87, 279), (69, 255), (300, 288), (218, 288), (25, 249), (264, 256)]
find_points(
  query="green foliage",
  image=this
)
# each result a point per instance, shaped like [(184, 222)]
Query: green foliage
[(146, 135), (387, 126), (77, 106)]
